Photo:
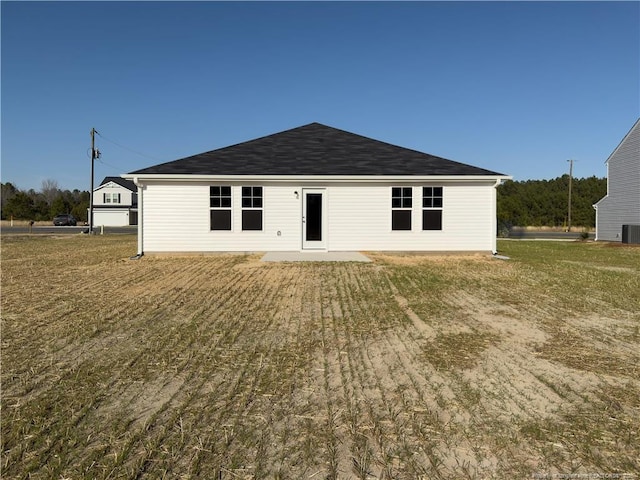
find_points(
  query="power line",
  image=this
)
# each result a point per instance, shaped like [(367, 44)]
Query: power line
[(117, 167), (129, 149)]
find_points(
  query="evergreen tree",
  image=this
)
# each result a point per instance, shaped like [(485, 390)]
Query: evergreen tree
[(8, 191), (19, 206), (43, 205), (59, 205), (545, 202)]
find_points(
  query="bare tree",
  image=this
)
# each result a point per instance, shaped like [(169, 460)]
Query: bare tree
[(50, 190)]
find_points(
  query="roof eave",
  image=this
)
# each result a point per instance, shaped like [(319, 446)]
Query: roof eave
[(635, 125), (137, 178), (112, 184)]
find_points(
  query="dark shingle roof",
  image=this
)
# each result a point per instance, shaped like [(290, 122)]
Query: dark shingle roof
[(314, 149), (122, 182)]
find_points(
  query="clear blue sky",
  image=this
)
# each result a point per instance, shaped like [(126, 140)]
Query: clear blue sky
[(514, 87)]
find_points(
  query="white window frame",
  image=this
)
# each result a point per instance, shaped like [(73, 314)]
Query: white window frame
[(221, 207), (252, 200), (402, 207), (430, 203)]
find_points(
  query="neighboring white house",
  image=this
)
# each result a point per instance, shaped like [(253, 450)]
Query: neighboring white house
[(115, 203), (621, 205), (315, 188)]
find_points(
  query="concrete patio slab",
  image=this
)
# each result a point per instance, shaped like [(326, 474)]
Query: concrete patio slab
[(315, 257)]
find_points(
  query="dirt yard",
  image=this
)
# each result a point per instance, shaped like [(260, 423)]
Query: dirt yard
[(409, 367)]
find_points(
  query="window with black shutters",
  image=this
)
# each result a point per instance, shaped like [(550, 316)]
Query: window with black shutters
[(251, 208), (432, 208), (220, 205), (401, 203), (111, 198)]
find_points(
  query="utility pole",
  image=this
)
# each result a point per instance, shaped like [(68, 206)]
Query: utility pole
[(94, 154), (569, 206)]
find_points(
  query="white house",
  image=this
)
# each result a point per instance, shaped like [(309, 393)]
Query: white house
[(115, 203), (621, 205), (315, 188)]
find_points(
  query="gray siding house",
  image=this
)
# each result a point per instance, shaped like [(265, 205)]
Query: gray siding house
[(621, 205)]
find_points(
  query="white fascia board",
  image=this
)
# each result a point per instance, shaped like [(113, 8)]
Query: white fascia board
[(112, 185), (635, 125), (108, 184), (141, 179), (595, 205)]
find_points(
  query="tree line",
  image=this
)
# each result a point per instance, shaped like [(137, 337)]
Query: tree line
[(522, 203), (44, 204), (545, 202)]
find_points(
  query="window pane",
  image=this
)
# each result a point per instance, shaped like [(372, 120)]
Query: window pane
[(214, 202), (406, 192), (225, 202), (257, 191), (246, 191), (257, 202), (401, 220), (396, 203), (246, 202), (406, 202), (313, 220), (395, 192), (220, 219), (252, 220), (225, 191), (432, 220), (214, 191), (432, 197)]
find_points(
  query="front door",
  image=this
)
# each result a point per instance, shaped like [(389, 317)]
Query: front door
[(314, 213)]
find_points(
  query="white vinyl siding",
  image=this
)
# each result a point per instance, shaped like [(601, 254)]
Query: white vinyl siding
[(176, 219), (621, 206), (112, 194), (467, 220)]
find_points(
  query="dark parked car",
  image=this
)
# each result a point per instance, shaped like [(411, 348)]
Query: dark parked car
[(64, 220)]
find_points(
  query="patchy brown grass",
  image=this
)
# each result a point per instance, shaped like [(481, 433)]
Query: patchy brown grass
[(458, 350), (410, 367)]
